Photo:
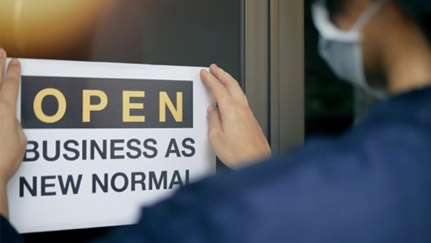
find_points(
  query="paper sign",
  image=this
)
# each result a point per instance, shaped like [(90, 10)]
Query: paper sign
[(105, 139)]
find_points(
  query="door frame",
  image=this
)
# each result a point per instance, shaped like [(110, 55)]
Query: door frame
[(273, 68)]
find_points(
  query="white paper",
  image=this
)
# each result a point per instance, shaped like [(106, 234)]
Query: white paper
[(86, 208)]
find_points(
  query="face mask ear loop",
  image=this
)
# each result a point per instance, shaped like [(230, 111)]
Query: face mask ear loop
[(320, 18), (367, 15)]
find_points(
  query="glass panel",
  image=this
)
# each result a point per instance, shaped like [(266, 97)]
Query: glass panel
[(186, 32), (169, 32)]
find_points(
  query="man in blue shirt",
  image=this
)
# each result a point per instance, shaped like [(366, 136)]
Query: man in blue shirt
[(372, 184)]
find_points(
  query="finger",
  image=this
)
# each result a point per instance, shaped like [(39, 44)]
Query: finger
[(10, 85), (3, 56), (229, 82), (218, 90)]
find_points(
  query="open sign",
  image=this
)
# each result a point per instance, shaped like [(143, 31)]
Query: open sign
[(64, 102), (105, 135)]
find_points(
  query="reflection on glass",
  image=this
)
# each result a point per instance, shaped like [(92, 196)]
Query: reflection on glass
[(46, 28), (186, 32)]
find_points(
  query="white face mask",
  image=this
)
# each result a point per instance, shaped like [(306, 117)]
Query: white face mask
[(342, 50)]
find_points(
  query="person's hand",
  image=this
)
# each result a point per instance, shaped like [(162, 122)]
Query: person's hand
[(12, 138), (234, 133)]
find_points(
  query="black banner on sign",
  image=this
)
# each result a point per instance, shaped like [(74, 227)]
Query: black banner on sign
[(64, 102)]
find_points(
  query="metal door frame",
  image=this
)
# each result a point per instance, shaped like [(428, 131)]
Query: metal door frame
[(273, 68)]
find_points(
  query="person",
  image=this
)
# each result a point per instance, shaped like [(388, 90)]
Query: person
[(371, 184)]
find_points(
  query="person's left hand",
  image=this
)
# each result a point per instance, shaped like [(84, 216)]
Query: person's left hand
[(12, 138)]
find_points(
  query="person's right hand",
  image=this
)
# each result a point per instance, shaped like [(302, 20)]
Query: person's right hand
[(12, 138), (234, 133)]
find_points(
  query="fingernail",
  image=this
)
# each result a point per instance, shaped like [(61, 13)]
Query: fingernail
[(14, 61), (2, 53)]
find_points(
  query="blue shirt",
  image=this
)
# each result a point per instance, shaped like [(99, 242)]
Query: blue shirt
[(373, 184)]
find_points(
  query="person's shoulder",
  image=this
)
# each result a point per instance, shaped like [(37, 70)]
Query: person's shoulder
[(411, 106), (399, 125)]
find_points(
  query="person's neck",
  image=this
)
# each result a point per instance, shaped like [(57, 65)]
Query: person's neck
[(406, 53)]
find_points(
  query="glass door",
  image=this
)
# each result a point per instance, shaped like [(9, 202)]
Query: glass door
[(168, 32)]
